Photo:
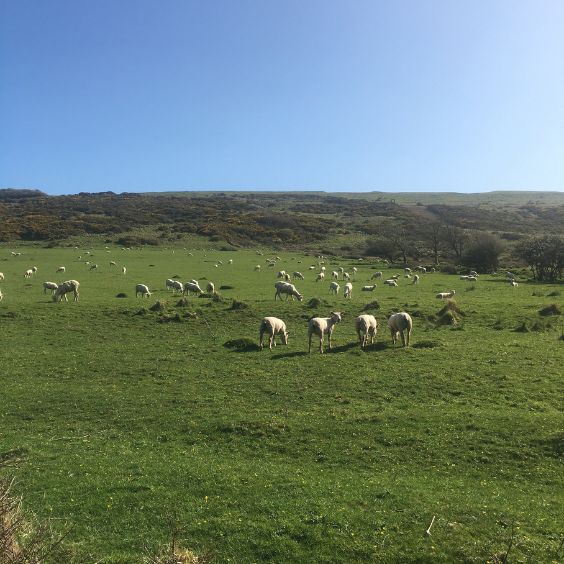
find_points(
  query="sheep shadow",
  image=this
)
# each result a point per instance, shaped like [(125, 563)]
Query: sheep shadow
[(342, 348), (375, 347), (289, 355)]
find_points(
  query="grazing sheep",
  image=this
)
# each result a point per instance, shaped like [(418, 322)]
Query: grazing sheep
[(192, 287), (287, 277), (49, 286), (321, 326), (513, 283), (273, 326), (288, 289), (34, 269), (323, 269), (355, 270), (28, 273), (320, 277), (1, 296), (415, 279), (473, 273), (210, 288), (376, 275), (400, 323), (93, 266), (230, 261), (143, 290), (464, 277), (123, 270), (1, 276), (335, 275), (445, 295), (281, 274), (369, 288), (257, 267), (64, 288), (395, 277), (60, 269), (334, 288), (390, 282), (407, 275), (298, 275), (348, 290), (407, 270), (421, 269), (176, 285), (312, 267), (346, 276), (169, 282), (366, 327), (472, 279), (112, 263)]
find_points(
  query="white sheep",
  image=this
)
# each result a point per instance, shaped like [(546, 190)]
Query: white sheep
[(323, 269), (334, 288), (28, 273), (321, 326), (60, 269), (112, 263), (369, 288), (123, 270), (287, 277), (210, 288), (288, 289), (348, 290), (192, 287), (445, 295), (335, 275), (355, 270), (273, 326), (169, 283), (390, 282), (366, 327), (143, 290), (415, 279), (1, 276), (320, 277), (376, 275), (257, 267), (473, 273), (34, 269), (407, 270), (1, 296), (281, 274), (472, 279), (421, 269), (400, 323), (230, 261), (513, 283), (346, 276), (464, 277), (50, 286), (177, 286), (64, 288), (298, 275), (93, 266)]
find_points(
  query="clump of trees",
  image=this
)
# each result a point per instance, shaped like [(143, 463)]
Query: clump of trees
[(544, 255), (482, 252)]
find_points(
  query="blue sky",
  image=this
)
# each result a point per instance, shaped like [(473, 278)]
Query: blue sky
[(281, 94)]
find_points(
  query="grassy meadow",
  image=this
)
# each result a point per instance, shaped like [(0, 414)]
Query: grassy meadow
[(123, 424)]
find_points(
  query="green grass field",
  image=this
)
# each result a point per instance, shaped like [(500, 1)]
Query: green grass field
[(125, 423)]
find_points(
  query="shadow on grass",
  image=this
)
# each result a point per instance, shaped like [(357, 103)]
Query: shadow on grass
[(342, 348), (289, 355), (375, 347)]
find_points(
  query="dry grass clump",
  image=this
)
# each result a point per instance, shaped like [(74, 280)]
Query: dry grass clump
[(159, 305), (237, 305), (182, 302), (551, 309), (449, 314)]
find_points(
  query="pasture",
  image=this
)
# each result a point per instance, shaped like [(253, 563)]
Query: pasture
[(125, 424)]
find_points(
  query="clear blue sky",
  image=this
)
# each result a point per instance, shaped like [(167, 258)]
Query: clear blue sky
[(418, 95)]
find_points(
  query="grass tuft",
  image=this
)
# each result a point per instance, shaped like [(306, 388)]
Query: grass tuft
[(226, 287), (159, 305), (183, 302), (426, 345), (551, 309), (121, 295), (371, 305), (238, 305), (244, 344)]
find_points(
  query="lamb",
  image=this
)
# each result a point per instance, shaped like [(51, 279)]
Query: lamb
[(400, 323), (322, 326), (348, 290), (210, 288), (298, 275), (281, 274), (415, 279), (192, 287), (273, 326), (367, 326), (288, 289), (64, 288), (257, 267), (335, 275), (445, 295), (369, 288), (28, 273), (60, 269), (376, 275), (323, 269), (143, 290), (334, 288), (390, 282), (320, 277), (49, 286), (513, 283)]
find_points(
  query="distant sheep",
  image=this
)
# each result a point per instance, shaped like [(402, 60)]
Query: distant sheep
[(34, 269), (366, 327), (281, 274), (298, 275), (513, 283), (415, 279), (50, 286), (376, 275), (192, 287), (369, 288), (177, 286), (112, 263), (257, 267), (28, 273), (335, 275), (1, 276), (288, 289), (403, 324), (390, 282), (66, 287), (334, 288), (93, 266), (322, 326), (320, 277), (445, 295), (143, 290), (1, 296), (60, 269), (273, 326), (210, 288), (123, 270), (348, 290)]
